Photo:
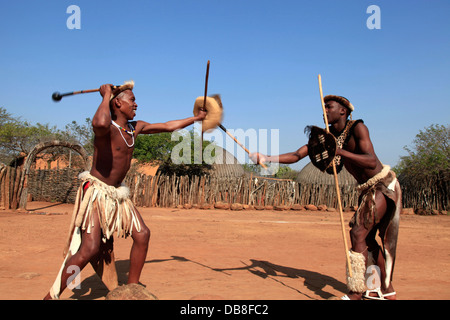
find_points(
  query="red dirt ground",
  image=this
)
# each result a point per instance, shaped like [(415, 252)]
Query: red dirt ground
[(222, 254)]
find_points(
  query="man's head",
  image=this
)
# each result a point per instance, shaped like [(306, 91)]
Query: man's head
[(337, 106), (123, 101), (124, 104)]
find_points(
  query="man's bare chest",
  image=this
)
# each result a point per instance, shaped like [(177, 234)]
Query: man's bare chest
[(122, 144), (351, 145)]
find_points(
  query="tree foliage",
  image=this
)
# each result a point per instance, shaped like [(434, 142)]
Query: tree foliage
[(80, 133), (158, 148), (424, 173), (284, 171), (429, 156), (153, 147), (18, 137)]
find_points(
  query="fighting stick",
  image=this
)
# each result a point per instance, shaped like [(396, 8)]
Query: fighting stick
[(221, 126), (206, 84), (56, 96), (336, 182), (240, 144), (206, 93)]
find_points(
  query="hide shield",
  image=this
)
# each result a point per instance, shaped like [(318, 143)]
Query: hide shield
[(321, 148)]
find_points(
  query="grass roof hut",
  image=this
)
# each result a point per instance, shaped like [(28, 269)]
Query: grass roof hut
[(226, 165), (317, 187)]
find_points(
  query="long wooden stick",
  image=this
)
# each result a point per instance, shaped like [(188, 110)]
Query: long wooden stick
[(206, 84), (240, 144), (56, 96), (221, 126), (204, 99), (336, 182)]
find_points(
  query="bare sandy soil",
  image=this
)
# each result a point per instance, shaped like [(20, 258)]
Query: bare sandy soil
[(222, 254)]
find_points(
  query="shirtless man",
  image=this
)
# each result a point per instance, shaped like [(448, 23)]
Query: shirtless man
[(379, 202), (93, 220)]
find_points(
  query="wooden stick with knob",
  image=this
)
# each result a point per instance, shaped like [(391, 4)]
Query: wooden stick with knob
[(56, 96), (336, 182)]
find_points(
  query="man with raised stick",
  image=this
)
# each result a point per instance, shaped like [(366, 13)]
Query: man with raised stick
[(379, 201), (103, 206)]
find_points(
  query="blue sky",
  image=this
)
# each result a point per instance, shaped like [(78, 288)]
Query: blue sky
[(265, 57)]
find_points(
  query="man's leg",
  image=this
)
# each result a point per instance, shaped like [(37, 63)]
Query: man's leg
[(376, 250), (139, 250), (89, 248), (104, 264), (381, 264), (359, 236)]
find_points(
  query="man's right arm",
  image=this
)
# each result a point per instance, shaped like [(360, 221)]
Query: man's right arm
[(102, 118), (285, 158)]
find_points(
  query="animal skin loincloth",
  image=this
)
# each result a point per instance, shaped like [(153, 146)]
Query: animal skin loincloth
[(386, 183), (115, 210)]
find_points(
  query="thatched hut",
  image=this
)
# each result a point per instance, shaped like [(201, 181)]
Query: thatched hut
[(311, 175), (317, 187), (226, 165)]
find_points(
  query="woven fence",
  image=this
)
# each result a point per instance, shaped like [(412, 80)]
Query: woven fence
[(171, 191), (9, 187), (430, 194)]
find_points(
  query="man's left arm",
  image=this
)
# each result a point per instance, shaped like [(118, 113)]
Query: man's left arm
[(365, 157), (143, 127)]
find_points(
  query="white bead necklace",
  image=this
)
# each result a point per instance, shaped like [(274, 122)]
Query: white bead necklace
[(129, 132)]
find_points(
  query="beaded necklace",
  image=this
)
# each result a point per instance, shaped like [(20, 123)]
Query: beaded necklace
[(342, 139), (131, 132)]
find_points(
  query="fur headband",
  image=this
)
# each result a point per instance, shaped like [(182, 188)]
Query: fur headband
[(342, 100), (127, 85)]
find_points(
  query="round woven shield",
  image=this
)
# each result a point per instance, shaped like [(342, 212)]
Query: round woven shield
[(214, 111), (321, 148)]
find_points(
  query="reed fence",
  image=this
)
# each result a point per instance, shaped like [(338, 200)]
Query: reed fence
[(172, 191), (427, 194), (9, 187)]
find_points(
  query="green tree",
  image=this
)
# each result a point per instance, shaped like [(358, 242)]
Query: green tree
[(251, 168), (429, 155), (286, 172), (424, 173), (18, 137), (158, 148), (80, 133), (153, 147)]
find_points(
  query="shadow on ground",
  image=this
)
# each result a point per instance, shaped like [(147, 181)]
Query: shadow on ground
[(92, 287)]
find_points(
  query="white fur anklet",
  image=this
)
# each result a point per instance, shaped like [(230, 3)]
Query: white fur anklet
[(357, 283)]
